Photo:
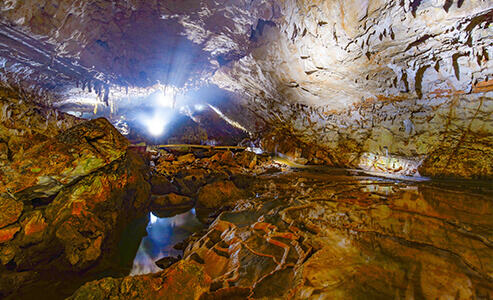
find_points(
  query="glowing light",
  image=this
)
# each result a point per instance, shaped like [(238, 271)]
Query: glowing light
[(166, 96), (155, 126), (153, 218), (231, 122), (254, 150), (199, 107)]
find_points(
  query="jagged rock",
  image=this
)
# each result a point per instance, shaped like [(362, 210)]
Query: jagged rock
[(47, 167), (218, 193), (167, 262), (10, 210), (7, 233), (80, 226), (227, 158), (34, 228), (187, 158), (169, 201), (182, 280), (192, 181), (4, 151), (246, 159), (161, 185)]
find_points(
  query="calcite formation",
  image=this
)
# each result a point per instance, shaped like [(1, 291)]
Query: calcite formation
[(338, 237), (344, 91), (410, 80)]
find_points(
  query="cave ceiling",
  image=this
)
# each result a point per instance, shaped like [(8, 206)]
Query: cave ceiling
[(256, 60)]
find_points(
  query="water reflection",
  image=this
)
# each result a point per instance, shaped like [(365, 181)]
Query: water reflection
[(162, 234)]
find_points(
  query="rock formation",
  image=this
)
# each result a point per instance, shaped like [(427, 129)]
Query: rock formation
[(66, 199), (336, 95)]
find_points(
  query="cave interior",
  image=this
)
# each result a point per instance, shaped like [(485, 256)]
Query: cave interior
[(267, 149)]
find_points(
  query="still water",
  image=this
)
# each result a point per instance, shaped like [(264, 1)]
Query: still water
[(162, 235)]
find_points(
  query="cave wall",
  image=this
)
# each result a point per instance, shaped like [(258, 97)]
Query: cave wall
[(364, 81)]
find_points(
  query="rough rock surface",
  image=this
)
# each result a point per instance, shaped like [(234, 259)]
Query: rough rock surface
[(218, 193), (45, 168), (318, 236), (65, 202), (351, 77), (182, 280)]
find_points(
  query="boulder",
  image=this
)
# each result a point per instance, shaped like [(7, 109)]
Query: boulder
[(160, 185), (218, 193), (182, 280), (79, 227), (171, 200), (247, 159), (46, 168)]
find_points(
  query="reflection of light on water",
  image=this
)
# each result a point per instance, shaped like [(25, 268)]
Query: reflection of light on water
[(152, 218), (163, 233)]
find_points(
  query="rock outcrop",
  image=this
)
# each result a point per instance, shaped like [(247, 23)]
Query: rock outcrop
[(66, 200), (182, 280)]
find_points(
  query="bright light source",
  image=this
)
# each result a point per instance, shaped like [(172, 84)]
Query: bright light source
[(165, 100), (155, 124), (152, 218), (199, 107), (166, 96)]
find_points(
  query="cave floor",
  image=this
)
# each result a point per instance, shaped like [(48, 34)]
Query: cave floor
[(337, 234)]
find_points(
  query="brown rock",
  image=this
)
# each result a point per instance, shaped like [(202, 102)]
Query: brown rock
[(247, 159), (187, 158), (218, 193), (182, 280), (227, 158), (45, 168), (4, 151), (160, 185), (34, 226), (7, 233), (170, 200), (81, 236), (10, 210)]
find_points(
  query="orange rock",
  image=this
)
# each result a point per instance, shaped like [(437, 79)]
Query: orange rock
[(6, 234)]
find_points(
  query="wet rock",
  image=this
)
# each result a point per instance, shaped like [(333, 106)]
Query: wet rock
[(170, 201), (182, 280), (167, 262), (161, 185), (218, 193)]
